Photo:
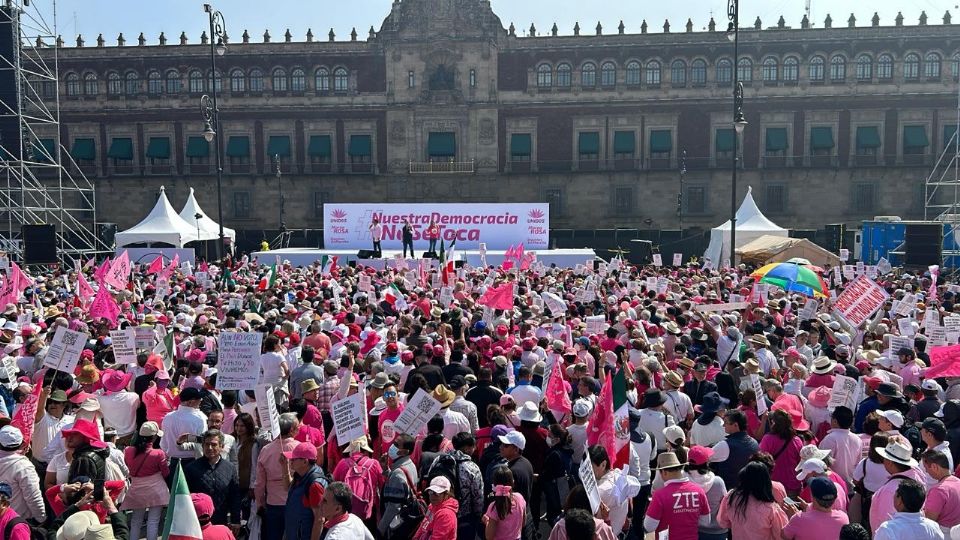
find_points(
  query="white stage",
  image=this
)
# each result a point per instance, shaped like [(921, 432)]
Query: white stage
[(306, 256)]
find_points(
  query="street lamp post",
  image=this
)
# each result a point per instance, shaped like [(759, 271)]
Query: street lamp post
[(276, 158), (739, 123), (683, 174), (211, 113)]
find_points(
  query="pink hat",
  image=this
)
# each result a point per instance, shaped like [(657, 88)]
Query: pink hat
[(88, 430), (303, 450), (505, 399), (699, 455), (203, 504), (115, 381), (819, 397), (799, 422), (502, 329)]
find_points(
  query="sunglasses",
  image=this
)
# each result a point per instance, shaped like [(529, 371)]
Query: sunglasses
[(389, 394)]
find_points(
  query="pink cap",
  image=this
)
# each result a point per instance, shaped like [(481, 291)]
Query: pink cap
[(699, 455), (303, 450)]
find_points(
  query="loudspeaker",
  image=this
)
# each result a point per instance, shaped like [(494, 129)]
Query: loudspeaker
[(39, 244), (641, 252), (924, 244), (834, 237), (366, 254), (108, 234), (430, 255), (10, 135)]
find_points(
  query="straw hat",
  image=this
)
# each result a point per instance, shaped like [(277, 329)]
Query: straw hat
[(668, 460), (444, 395)]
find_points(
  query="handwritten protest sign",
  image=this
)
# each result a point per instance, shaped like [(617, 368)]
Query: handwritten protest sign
[(124, 346), (348, 418), (417, 413), (64, 352), (906, 305), (554, 303), (758, 389), (596, 324), (859, 301), (844, 393), (235, 303), (590, 483), (267, 409), (906, 327), (238, 365)]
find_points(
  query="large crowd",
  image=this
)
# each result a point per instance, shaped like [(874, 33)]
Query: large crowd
[(609, 401)]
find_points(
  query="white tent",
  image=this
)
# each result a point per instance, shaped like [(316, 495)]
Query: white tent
[(162, 225), (209, 229), (751, 224)]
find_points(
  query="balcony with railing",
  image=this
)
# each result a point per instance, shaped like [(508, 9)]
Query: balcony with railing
[(442, 167)]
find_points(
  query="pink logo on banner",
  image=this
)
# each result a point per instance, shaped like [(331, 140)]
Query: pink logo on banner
[(119, 272), (105, 307)]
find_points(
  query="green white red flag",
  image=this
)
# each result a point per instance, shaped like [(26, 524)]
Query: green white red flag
[(181, 522)]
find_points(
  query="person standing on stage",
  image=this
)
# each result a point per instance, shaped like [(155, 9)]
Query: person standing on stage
[(433, 233), (376, 233), (408, 239)]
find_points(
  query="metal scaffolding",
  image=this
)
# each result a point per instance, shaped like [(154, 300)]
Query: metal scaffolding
[(40, 183), (942, 196)]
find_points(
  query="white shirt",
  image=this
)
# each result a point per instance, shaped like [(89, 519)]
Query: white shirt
[(876, 475), (184, 420), (653, 422), (678, 405), (119, 410), (578, 433), (464, 407), (453, 423), (845, 448), (351, 529), (45, 430), (766, 360), (526, 393), (55, 446), (61, 466), (618, 512), (709, 434), (910, 525), (641, 454), (270, 372)]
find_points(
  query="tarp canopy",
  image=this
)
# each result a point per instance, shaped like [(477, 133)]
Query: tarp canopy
[(770, 249), (209, 229), (162, 225), (751, 224)]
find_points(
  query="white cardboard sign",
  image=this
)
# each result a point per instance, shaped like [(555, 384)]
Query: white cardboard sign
[(348, 418), (238, 365), (417, 413)]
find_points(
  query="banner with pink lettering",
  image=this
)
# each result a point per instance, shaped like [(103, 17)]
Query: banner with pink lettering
[(499, 226)]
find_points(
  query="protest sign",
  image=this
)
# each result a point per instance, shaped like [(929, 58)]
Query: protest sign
[(657, 259), (238, 365), (590, 483), (952, 323), (758, 389), (267, 409), (417, 413), (554, 303), (906, 305), (651, 283), (145, 338), (124, 346), (235, 303), (596, 324), (849, 272), (662, 284), (809, 310), (24, 318), (844, 393), (899, 342), (931, 317), (729, 306), (365, 284), (936, 335), (677, 259), (859, 301), (844, 255), (446, 296), (64, 352), (861, 269), (884, 266), (349, 421), (905, 326)]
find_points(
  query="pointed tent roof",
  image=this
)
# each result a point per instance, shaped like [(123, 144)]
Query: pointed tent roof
[(162, 225), (209, 229), (749, 217)]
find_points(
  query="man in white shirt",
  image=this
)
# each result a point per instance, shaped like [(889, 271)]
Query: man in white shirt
[(186, 420), (578, 429), (765, 358), (654, 417), (453, 422), (525, 392), (460, 404), (846, 448), (908, 521), (48, 421), (678, 404), (214, 421)]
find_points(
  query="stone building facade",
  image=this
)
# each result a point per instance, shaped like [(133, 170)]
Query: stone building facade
[(445, 104)]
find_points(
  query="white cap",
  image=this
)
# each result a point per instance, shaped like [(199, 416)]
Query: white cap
[(10, 437), (894, 417), (515, 438), (813, 465), (439, 484), (930, 384)]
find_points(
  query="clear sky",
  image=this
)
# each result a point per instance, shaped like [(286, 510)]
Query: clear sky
[(110, 17)]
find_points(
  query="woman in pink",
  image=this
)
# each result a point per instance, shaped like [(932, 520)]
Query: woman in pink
[(748, 404), (578, 500), (148, 493), (784, 445), (505, 515), (158, 399), (749, 510)]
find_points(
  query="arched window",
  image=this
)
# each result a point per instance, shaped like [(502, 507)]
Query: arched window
[(73, 84), (838, 68), (698, 72), (678, 73), (544, 76), (911, 66), (864, 67), (114, 84), (816, 68), (90, 84), (955, 67), (770, 69), (564, 75), (217, 81), (633, 73), (791, 69), (195, 81), (154, 83), (256, 80), (931, 66), (724, 70), (745, 70), (279, 80), (131, 83), (173, 82), (653, 73), (885, 66), (322, 80), (238, 81), (608, 74), (341, 79), (588, 74), (298, 80)]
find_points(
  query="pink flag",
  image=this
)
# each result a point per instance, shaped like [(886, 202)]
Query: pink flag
[(105, 307), (23, 280), (934, 274), (156, 266), (89, 263), (498, 297), (168, 271), (24, 415), (84, 290), (102, 271), (518, 254), (508, 254), (601, 424), (203, 266), (119, 273), (527, 260), (9, 291), (557, 397), (507, 264)]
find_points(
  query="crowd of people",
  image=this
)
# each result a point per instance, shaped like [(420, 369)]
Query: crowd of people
[(609, 402)]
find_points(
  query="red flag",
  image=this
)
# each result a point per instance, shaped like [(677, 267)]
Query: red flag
[(498, 297), (102, 270), (23, 417), (557, 398), (105, 307), (944, 362), (156, 266), (602, 423)]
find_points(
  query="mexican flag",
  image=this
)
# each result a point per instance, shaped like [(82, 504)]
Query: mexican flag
[(394, 297), (181, 522), (267, 281), (610, 425), (446, 261), (328, 264), (167, 350)]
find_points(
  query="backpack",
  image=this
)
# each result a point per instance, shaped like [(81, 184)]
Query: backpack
[(361, 484), (36, 533), (445, 465), (410, 515)]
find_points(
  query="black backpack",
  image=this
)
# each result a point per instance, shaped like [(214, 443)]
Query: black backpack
[(36, 533), (445, 465)]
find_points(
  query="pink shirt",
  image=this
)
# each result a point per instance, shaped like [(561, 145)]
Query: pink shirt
[(817, 380), (943, 499), (19, 532), (911, 374), (785, 462), (150, 462), (385, 427), (158, 403), (269, 487), (815, 525), (846, 449), (881, 509), (678, 506), (761, 521), (509, 527)]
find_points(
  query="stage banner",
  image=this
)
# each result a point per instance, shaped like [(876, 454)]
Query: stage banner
[(499, 226)]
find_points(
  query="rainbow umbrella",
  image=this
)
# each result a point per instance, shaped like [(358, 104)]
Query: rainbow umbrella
[(792, 278)]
